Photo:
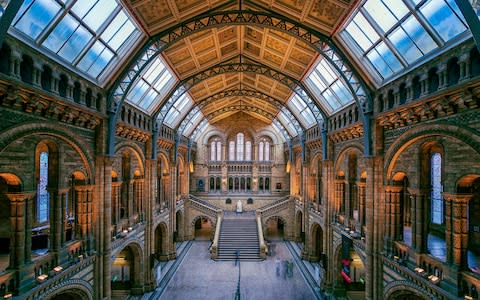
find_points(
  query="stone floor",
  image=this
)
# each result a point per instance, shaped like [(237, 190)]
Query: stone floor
[(199, 277)]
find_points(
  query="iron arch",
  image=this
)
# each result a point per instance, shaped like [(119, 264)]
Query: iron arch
[(185, 85), (160, 42)]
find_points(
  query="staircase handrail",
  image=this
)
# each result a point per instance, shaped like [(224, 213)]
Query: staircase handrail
[(266, 207), (204, 203), (214, 248), (274, 207), (261, 240)]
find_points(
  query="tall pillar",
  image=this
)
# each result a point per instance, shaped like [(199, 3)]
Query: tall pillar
[(419, 221), (28, 227), (116, 202), (361, 195), (17, 229), (459, 228)]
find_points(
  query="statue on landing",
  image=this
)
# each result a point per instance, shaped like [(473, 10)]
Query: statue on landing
[(239, 207)]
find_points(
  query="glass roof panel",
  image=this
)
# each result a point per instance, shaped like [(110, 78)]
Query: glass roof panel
[(390, 37), (179, 109), (302, 111), (287, 124), (3, 6), (155, 82), (332, 91), (88, 35)]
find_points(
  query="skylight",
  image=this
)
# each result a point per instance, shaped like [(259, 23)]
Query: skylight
[(89, 35), (287, 123), (155, 82), (176, 112), (191, 121), (301, 110), (3, 6), (325, 83), (393, 35), (199, 128)]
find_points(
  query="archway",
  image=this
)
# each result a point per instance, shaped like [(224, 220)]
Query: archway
[(161, 238), (179, 233), (299, 228), (352, 271), (127, 271), (317, 244), (275, 228), (8, 183), (203, 228), (71, 294)]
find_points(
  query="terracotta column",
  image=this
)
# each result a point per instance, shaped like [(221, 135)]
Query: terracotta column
[(361, 195), (459, 228), (17, 228), (116, 202)]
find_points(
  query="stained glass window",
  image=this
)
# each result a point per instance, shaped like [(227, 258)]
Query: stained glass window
[(43, 198), (240, 146), (437, 189), (89, 35), (393, 35)]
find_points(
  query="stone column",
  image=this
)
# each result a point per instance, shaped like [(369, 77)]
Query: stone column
[(28, 227), (459, 227), (17, 229), (408, 89), (464, 63), (339, 195), (57, 196), (116, 202), (423, 84), (361, 195), (172, 203), (442, 76), (37, 74), (130, 201), (55, 81), (419, 221), (14, 66)]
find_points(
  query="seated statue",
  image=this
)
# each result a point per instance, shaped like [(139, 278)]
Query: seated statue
[(239, 206)]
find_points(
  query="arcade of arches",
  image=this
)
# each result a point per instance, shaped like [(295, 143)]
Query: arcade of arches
[(130, 127)]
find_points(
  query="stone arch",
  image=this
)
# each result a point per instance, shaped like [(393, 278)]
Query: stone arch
[(398, 288), (316, 241), (198, 218), (161, 241), (276, 219), (134, 260), (46, 129), (465, 135), (133, 148), (344, 151), (299, 231), (74, 289), (179, 225), (211, 133), (320, 43), (12, 180), (265, 132)]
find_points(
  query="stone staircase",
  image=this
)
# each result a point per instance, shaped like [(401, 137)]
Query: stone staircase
[(239, 233)]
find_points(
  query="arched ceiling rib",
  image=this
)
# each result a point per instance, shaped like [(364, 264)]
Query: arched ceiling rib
[(235, 67), (284, 45)]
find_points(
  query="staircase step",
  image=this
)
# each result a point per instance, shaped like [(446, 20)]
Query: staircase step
[(238, 235)]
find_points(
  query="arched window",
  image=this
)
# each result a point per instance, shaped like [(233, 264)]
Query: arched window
[(436, 192), (248, 151), (264, 151), (43, 198), (267, 151), (231, 150), (260, 151), (240, 144), (216, 150), (219, 151), (213, 151)]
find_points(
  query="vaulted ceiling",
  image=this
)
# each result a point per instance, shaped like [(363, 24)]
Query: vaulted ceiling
[(245, 43)]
